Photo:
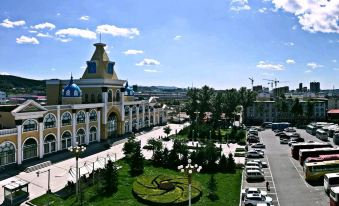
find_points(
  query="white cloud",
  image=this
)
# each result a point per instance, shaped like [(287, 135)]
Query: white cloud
[(27, 40), (308, 71), (290, 61), (116, 31), (47, 35), (177, 37), (289, 44), (83, 67), (313, 15), (313, 65), (64, 40), (336, 69), (148, 62), (239, 5), (270, 66), (11, 24), (32, 31), (334, 60), (58, 14), (84, 18), (75, 32), (4, 73), (262, 10), (133, 52), (45, 25), (52, 69), (294, 27), (151, 70)]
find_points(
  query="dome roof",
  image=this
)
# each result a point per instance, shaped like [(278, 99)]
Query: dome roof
[(128, 90), (71, 90)]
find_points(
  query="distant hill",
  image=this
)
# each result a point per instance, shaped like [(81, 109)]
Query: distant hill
[(14, 85)]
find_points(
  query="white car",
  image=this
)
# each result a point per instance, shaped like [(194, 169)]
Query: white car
[(252, 190), (262, 163), (258, 145), (254, 153), (248, 168), (255, 199)]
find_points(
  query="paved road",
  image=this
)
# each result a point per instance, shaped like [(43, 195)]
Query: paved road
[(291, 188)]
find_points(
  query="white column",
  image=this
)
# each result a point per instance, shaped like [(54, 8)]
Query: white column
[(104, 114), (149, 117), (87, 128), (41, 140), (74, 134), (138, 117), (154, 123), (143, 114), (58, 142), (99, 129), (130, 119), (158, 117), (19, 144)]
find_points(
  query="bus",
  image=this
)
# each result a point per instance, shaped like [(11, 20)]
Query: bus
[(280, 125), (334, 196), (298, 146), (331, 130), (314, 171), (310, 128), (322, 158), (305, 153), (321, 134)]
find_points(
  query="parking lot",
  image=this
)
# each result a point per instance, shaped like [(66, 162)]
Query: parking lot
[(285, 176)]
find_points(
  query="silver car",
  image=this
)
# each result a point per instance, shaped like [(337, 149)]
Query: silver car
[(254, 199)]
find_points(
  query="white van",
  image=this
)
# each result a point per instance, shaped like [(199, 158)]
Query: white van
[(331, 180), (254, 175)]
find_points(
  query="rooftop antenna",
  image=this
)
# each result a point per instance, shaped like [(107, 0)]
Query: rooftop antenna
[(100, 36)]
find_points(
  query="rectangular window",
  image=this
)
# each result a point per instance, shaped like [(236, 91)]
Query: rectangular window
[(110, 67), (92, 67)]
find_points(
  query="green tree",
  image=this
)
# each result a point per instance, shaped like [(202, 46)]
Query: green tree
[(111, 178), (130, 146), (246, 98), (212, 155), (167, 130), (223, 167), (231, 163), (204, 98), (191, 107), (158, 158), (153, 145), (297, 109), (309, 109), (216, 109), (212, 189), (137, 161)]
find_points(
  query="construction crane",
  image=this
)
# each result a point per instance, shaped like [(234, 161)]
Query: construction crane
[(252, 81), (274, 82)]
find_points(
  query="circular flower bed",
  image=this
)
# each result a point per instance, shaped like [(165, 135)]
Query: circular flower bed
[(165, 190)]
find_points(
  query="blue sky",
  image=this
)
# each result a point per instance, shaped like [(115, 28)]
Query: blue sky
[(220, 43)]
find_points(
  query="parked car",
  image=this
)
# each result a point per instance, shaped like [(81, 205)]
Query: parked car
[(289, 129), (255, 154), (284, 141), (240, 152), (252, 190), (291, 142), (254, 164), (250, 168), (254, 199), (260, 151), (280, 133), (262, 163), (254, 175), (258, 145)]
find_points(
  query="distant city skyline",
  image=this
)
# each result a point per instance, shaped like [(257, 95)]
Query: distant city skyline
[(176, 43)]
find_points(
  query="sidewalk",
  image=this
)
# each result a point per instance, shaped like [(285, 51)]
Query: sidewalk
[(63, 161)]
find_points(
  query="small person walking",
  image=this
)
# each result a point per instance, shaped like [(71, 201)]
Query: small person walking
[(267, 186)]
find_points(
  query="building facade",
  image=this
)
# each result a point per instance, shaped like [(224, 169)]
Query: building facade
[(267, 111), (96, 107)]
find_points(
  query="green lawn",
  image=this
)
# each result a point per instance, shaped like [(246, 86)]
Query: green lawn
[(228, 190)]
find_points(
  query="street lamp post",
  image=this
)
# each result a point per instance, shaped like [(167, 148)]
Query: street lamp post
[(77, 150), (189, 169)]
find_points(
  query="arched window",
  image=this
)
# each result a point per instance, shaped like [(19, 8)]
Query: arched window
[(127, 111), (68, 93), (92, 98), (92, 134), (49, 144), (134, 125), (140, 109), (29, 125), (134, 110), (117, 96), (126, 126), (81, 137), (81, 117), (151, 109), (7, 153), (146, 108), (146, 121), (49, 121), (151, 119), (66, 119), (93, 115), (75, 93), (30, 149), (66, 140), (110, 96), (112, 125), (140, 122)]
